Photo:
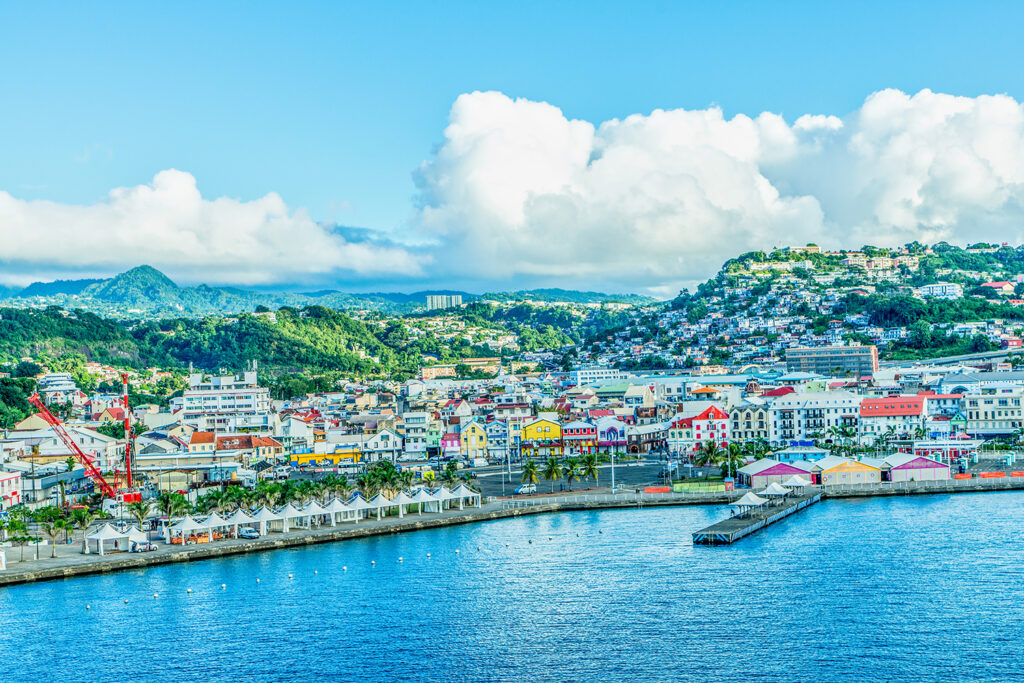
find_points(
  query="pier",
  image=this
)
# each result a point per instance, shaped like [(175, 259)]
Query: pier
[(733, 529)]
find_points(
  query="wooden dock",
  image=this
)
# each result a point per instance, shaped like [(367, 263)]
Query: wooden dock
[(733, 529)]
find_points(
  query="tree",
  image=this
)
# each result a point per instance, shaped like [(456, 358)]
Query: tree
[(140, 511), (571, 471), (53, 525), (172, 504), (552, 471), (82, 518), (588, 467), (530, 473), (708, 453)]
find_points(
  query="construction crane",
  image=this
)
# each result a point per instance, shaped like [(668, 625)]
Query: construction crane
[(91, 470)]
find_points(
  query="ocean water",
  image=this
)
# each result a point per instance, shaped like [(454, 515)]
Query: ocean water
[(896, 589)]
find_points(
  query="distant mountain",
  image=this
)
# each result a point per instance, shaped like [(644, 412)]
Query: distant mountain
[(138, 286), (145, 292), (54, 288)]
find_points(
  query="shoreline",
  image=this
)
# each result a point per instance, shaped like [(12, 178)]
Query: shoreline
[(84, 565)]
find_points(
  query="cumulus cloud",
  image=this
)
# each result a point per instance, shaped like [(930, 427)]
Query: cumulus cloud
[(516, 189), (168, 224)]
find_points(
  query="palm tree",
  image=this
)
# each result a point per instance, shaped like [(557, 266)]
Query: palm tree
[(451, 473), (588, 467), (530, 473), (140, 511), (571, 470), (552, 471), (172, 503), (82, 518), (54, 528), (708, 454)]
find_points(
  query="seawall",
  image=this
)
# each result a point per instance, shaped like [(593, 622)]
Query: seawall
[(81, 565)]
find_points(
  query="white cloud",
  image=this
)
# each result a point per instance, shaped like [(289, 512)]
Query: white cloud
[(518, 190), (169, 225)]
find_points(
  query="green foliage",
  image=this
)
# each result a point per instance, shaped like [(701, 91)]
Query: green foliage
[(14, 405)]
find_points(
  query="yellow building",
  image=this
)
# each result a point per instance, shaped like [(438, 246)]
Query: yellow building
[(542, 437), (473, 441), (832, 471), (342, 455)]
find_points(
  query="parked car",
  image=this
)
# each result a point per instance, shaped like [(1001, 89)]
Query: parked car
[(245, 532), (526, 488)]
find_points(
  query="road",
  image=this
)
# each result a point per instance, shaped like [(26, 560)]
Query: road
[(494, 481)]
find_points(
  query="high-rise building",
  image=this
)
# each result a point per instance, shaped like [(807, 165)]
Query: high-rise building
[(440, 301), (228, 403), (859, 361)]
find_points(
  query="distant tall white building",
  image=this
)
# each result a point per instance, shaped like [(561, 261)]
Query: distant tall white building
[(584, 376), (942, 290), (439, 301), (227, 403)]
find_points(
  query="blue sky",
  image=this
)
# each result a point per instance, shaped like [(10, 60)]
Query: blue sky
[(333, 106)]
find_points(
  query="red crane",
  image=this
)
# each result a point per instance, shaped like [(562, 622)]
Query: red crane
[(90, 465)]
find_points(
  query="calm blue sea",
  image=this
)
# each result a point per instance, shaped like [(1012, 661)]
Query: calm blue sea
[(897, 589)]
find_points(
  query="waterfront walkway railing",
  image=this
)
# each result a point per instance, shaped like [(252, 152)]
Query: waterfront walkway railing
[(621, 498)]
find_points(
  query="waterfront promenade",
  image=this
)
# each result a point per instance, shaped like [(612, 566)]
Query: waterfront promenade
[(71, 562)]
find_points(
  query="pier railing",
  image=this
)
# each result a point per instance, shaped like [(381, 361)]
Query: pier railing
[(622, 498)]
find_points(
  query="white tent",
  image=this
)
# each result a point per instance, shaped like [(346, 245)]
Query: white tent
[(796, 481), (185, 527), (441, 495), (347, 512), (378, 502), (107, 533), (137, 535), (749, 500), (265, 516), (239, 517), (314, 509), (775, 489), (463, 492), (288, 513), (401, 500), (359, 504), (214, 521), (422, 497)]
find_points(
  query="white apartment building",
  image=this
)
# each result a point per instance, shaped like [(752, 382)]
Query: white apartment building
[(416, 424), (585, 376), (799, 417), (57, 387), (227, 403), (992, 414), (942, 290)]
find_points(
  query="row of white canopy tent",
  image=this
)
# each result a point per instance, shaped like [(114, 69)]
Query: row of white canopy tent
[(314, 514)]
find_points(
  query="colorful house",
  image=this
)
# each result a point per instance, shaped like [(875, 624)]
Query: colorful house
[(711, 425), (541, 437), (834, 471), (906, 467), (760, 473), (579, 437), (473, 441)]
